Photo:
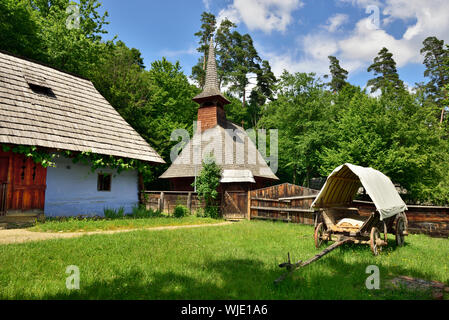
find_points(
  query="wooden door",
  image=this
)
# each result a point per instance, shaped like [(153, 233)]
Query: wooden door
[(27, 185), (235, 204), (4, 168)]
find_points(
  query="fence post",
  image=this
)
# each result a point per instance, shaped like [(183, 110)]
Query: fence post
[(249, 205), (189, 202), (161, 203)]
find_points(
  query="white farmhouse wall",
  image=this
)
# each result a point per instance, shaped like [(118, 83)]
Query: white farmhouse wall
[(72, 190)]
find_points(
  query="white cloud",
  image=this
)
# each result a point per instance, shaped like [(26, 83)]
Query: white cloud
[(265, 15), (207, 4), (335, 22), (357, 48)]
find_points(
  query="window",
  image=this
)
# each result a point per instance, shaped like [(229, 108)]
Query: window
[(42, 90), (104, 182)]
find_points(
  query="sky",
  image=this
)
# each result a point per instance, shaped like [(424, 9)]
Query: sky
[(293, 35)]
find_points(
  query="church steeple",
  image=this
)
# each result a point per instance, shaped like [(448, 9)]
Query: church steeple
[(211, 93)]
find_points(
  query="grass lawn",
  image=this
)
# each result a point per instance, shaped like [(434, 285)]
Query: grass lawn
[(238, 261), (75, 225)]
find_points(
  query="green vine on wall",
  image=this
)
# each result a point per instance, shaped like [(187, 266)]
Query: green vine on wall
[(45, 159), (94, 160), (98, 161)]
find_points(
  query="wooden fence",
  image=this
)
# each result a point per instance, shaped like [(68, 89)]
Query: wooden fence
[(430, 220), (291, 203), (285, 202), (166, 201)]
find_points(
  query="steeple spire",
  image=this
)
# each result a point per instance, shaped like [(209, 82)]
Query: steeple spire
[(211, 92)]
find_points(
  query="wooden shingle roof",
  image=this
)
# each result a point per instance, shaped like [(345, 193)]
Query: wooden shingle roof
[(211, 90), (231, 148), (76, 117)]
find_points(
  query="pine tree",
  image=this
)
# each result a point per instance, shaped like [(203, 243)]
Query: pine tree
[(339, 75), (384, 67), (207, 30), (436, 60)]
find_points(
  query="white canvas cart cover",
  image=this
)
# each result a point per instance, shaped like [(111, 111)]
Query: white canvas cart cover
[(343, 183)]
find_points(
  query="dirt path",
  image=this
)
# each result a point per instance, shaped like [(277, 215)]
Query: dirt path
[(22, 235)]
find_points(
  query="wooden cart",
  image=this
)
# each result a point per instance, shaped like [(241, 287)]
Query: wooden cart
[(336, 219), (329, 227)]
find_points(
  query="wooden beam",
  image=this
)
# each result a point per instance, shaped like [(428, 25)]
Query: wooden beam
[(269, 200), (271, 218), (300, 197), (283, 209)]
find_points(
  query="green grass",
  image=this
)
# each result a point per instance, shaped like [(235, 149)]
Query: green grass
[(238, 261), (75, 225)]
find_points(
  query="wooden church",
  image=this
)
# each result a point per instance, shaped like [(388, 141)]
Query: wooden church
[(243, 167)]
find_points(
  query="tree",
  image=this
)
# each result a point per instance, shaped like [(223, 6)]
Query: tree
[(19, 29), (302, 113), (206, 32), (206, 185), (237, 58), (436, 60), (384, 67), (339, 75), (394, 134)]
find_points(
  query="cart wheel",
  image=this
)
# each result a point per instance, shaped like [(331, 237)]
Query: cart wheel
[(400, 228), (385, 233), (374, 241), (319, 233)]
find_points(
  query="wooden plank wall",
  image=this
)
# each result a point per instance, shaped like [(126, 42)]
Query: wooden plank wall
[(429, 220), (166, 201), (284, 202)]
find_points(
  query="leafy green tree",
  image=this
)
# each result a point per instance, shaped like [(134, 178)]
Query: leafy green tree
[(302, 113), (394, 134), (339, 75), (384, 67), (207, 184), (19, 29)]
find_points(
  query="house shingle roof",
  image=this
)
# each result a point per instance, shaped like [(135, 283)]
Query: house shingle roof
[(78, 118)]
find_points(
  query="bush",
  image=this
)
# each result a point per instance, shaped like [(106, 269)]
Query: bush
[(139, 212), (110, 213), (180, 211), (212, 212)]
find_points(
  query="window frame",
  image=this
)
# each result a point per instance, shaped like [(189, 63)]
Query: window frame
[(101, 186)]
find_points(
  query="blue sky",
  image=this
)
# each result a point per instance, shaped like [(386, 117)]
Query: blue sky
[(297, 35)]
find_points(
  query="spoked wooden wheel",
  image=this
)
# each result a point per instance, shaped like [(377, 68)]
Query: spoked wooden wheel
[(320, 233), (375, 241), (400, 228), (385, 233)]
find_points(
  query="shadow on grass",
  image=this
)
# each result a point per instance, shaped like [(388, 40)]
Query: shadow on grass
[(330, 278)]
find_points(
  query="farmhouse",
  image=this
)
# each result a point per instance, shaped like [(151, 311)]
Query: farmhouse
[(243, 167), (61, 114)]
